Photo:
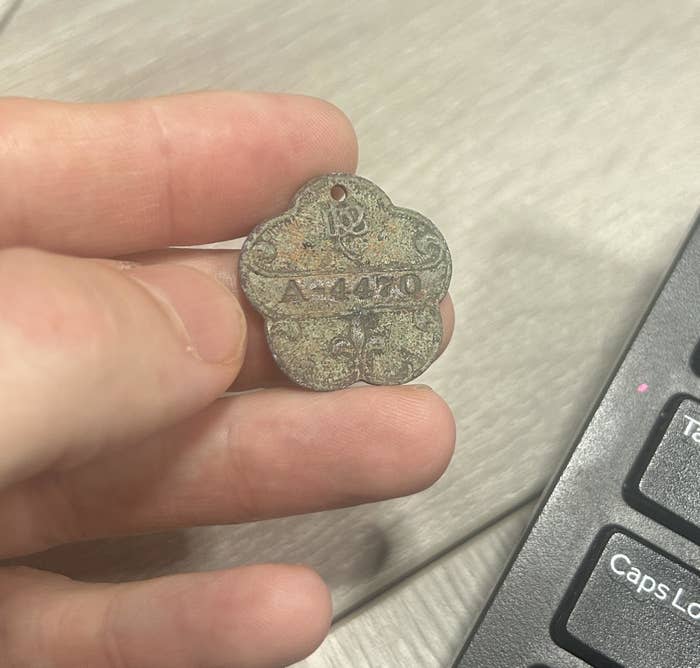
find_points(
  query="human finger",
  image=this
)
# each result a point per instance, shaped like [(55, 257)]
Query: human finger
[(95, 354), (109, 179), (251, 617), (248, 457)]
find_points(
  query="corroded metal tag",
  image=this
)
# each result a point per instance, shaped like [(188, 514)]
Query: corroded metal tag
[(348, 284)]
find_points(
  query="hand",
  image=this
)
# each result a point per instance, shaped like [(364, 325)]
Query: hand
[(112, 371)]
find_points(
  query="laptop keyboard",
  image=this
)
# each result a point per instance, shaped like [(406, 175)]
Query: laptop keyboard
[(607, 572)]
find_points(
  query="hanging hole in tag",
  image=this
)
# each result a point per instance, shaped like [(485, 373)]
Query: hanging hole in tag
[(338, 192)]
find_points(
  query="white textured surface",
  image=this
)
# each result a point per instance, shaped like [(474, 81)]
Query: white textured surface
[(556, 143), (423, 621)]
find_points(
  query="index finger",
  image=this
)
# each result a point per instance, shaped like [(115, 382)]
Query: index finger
[(109, 179)]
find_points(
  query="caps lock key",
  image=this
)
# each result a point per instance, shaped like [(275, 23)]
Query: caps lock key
[(638, 608)]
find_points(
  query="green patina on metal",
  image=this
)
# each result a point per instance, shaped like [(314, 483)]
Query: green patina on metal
[(349, 285)]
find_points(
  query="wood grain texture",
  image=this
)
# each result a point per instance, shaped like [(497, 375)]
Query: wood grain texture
[(555, 144), (424, 620)]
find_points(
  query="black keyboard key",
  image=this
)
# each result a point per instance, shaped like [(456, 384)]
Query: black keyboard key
[(671, 479), (638, 608)]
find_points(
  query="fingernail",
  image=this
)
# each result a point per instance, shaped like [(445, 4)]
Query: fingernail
[(420, 386), (208, 315)]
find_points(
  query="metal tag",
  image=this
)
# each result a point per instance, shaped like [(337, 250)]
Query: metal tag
[(348, 284)]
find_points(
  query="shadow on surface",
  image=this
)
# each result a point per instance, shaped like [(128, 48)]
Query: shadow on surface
[(9, 14)]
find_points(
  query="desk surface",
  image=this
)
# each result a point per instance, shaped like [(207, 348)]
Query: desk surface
[(556, 146)]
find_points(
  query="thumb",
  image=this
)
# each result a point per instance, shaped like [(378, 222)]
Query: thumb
[(94, 353)]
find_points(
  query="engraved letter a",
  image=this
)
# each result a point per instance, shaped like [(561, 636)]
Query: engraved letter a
[(292, 293)]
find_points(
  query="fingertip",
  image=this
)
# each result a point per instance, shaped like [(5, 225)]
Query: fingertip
[(292, 611), (320, 125), (313, 603), (342, 130), (408, 444), (431, 434), (208, 312)]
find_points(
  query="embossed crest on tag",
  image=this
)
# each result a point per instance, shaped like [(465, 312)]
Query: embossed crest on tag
[(349, 285)]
